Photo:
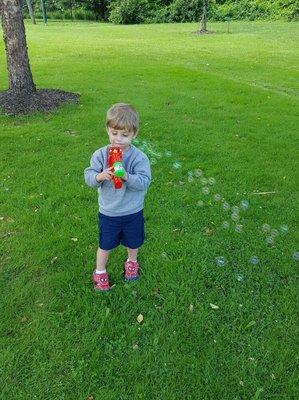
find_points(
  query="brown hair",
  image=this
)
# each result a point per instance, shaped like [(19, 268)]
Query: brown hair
[(123, 116)]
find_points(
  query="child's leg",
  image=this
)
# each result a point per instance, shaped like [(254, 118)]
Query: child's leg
[(132, 254), (102, 258)]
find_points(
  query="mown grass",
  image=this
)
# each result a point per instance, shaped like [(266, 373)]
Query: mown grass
[(225, 103)]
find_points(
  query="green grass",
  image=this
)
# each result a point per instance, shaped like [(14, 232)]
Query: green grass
[(225, 103)]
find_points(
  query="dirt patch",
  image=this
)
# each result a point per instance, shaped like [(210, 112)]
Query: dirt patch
[(203, 32), (44, 100)]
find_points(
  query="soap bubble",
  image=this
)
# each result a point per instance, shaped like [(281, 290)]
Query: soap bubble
[(221, 261), (239, 228), (203, 181), (235, 217), (168, 153), (211, 181), (274, 233), (225, 224), (235, 210), (190, 178), (266, 228), (153, 161), (240, 277), (296, 256), (225, 206), (198, 173), (244, 204), (284, 228), (217, 197), (254, 260), (205, 190), (177, 165), (200, 203), (269, 240)]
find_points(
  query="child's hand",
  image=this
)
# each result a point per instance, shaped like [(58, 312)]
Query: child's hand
[(105, 175)]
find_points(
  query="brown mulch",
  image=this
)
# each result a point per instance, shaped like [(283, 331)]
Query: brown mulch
[(43, 100), (207, 32)]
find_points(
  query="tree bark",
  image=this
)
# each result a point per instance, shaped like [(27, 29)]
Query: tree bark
[(31, 13), (19, 73), (204, 17), (44, 12)]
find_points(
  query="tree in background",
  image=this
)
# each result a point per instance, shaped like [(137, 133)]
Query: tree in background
[(19, 72), (30, 9), (44, 12), (204, 17), (22, 96)]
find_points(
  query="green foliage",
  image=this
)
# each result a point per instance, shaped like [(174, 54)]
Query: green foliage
[(185, 10), (257, 9), (130, 11), (144, 11)]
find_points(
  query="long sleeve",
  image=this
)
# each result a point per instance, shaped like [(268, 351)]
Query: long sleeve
[(141, 177), (90, 173)]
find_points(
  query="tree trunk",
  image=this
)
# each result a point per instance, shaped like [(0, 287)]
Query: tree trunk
[(204, 17), (19, 73), (44, 12), (31, 13)]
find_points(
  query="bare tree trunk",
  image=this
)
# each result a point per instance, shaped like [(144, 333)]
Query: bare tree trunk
[(30, 9), (204, 17), (19, 73), (44, 12)]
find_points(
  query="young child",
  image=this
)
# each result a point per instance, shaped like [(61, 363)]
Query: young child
[(120, 210)]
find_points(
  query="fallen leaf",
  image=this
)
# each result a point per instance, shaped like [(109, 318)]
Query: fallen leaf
[(214, 306), (24, 319), (191, 307), (53, 260), (251, 323), (74, 239), (155, 290), (140, 318), (209, 231), (135, 346), (71, 132)]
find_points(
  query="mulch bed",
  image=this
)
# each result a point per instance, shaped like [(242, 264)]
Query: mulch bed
[(201, 32), (44, 100)]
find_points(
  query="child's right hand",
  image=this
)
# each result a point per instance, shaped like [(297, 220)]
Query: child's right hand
[(105, 175)]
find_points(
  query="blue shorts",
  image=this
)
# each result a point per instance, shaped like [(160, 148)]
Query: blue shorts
[(127, 230)]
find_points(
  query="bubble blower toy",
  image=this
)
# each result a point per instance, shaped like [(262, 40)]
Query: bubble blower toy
[(115, 156)]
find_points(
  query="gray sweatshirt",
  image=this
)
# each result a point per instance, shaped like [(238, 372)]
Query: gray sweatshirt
[(130, 198)]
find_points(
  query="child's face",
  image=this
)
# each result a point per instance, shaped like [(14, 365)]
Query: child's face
[(120, 137)]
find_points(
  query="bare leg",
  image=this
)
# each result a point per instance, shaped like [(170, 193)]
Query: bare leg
[(132, 254), (102, 258)]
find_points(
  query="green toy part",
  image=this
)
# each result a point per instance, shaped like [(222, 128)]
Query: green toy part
[(119, 169)]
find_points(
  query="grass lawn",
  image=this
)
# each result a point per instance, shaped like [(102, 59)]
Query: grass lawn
[(224, 103)]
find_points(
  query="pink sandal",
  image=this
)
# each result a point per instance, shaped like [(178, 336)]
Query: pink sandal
[(131, 271), (101, 282)]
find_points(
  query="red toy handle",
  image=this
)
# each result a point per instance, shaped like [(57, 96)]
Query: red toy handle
[(115, 154)]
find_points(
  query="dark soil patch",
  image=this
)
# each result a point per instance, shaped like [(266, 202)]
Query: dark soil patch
[(201, 32), (44, 100)]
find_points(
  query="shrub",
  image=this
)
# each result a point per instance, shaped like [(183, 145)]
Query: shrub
[(130, 11)]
